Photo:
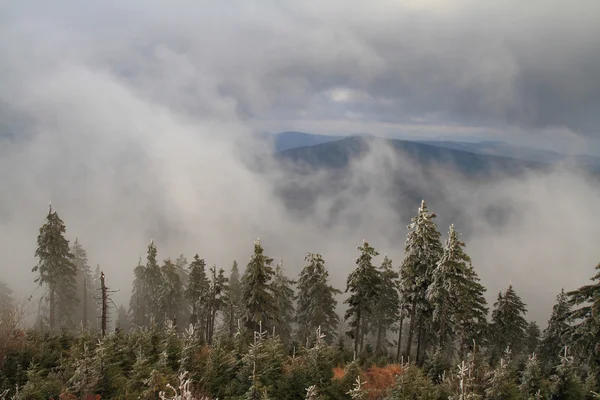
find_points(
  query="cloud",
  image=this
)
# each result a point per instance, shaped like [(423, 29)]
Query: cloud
[(135, 120)]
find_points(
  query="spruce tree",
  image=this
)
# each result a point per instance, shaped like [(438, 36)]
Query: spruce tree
[(123, 323), (556, 335), (448, 280), (586, 324), (388, 304), (198, 293), (138, 309), (234, 300), (257, 291), (152, 278), (470, 317), (565, 383), (508, 323), (170, 293), (363, 284), (85, 287), (284, 300), (532, 337), (56, 270), (6, 299), (216, 303), (181, 268), (531, 379), (316, 300), (422, 253)]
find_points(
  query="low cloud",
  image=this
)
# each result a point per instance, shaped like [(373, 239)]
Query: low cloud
[(144, 130)]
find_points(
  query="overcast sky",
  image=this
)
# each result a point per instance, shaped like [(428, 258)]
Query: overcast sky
[(430, 67), (130, 115)]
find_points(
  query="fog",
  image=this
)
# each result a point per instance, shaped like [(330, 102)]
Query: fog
[(137, 122)]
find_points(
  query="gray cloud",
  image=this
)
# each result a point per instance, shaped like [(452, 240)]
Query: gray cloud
[(134, 120)]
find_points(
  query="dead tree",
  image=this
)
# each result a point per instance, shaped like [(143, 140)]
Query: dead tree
[(104, 300)]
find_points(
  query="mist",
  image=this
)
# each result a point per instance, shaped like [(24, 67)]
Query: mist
[(144, 130)]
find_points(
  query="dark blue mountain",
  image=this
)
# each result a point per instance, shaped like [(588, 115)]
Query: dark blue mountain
[(289, 140)]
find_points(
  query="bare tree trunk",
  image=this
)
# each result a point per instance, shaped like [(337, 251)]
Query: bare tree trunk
[(419, 339), (104, 305), (357, 332), (52, 309), (399, 339), (85, 316), (411, 328), (379, 339)]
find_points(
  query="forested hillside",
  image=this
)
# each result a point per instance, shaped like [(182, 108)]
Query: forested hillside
[(416, 328)]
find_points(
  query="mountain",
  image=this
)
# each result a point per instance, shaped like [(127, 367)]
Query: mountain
[(322, 180), (338, 154), (289, 140)]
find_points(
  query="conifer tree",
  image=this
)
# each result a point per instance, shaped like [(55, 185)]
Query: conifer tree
[(363, 284), (85, 288), (56, 270), (234, 299), (586, 324), (316, 300), (448, 281), (171, 292), (501, 383), (198, 293), (123, 323), (470, 317), (181, 268), (532, 337), (508, 323), (284, 300), (388, 304), (565, 384), (556, 335), (218, 292), (531, 379), (6, 298), (257, 291), (152, 280), (137, 303), (422, 253)]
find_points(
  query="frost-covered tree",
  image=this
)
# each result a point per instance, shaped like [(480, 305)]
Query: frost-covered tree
[(138, 308), (123, 323), (234, 300), (584, 317), (86, 312), (6, 299), (257, 291), (501, 382), (387, 306), (216, 303), (56, 270), (198, 293), (565, 383), (181, 268), (556, 335), (470, 317), (508, 322), (532, 337), (448, 282), (422, 253), (531, 379), (316, 300), (153, 277), (170, 293), (363, 285), (284, 299)]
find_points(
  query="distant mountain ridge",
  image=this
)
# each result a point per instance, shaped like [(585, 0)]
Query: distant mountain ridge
[(291, 140)]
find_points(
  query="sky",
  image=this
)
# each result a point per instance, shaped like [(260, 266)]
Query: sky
[(135, 118)]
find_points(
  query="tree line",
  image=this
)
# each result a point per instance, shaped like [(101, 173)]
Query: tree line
[(429, 314)]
